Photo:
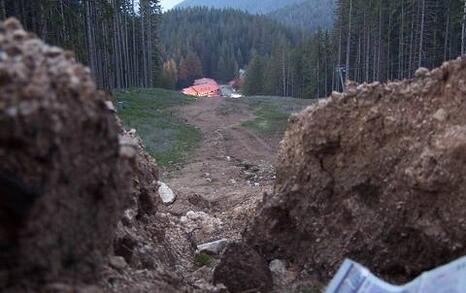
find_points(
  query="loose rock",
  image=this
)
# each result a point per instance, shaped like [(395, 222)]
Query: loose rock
[(277, 266), (166, 194), (118, 262), (214, 247)]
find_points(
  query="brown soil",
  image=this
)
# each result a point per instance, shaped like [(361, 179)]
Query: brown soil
[(243, 270), (376, 174), (78, 194), (229, 172), (63, 181)]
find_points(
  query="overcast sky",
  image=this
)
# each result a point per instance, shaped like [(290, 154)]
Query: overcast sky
[(168, 4)]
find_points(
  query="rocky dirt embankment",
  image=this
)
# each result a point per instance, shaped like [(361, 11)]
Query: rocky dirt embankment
[(376, 174), (78, 195)]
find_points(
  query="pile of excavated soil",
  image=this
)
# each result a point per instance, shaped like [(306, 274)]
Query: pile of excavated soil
[(376, 174), (78, 195), (63, 180)]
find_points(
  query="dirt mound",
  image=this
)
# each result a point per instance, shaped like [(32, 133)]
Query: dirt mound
[(74, 186), (376, 174), (63, 179), (242, 269)]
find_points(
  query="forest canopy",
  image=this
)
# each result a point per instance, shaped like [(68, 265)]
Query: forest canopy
[(375, 40), (217, 43), (118, 39)]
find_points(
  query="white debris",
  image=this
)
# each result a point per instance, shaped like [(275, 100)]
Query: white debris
[(128, 146), (214, 247), (132, 132), (118, 262), (441, 115), (166, 194), (200, 222), (277, 266), (110, 106), (421, 72), (194, 215)]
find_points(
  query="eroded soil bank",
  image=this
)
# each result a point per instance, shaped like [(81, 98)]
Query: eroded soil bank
[(376, 174)]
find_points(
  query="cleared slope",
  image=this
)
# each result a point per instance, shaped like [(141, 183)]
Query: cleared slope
[(166, 137)]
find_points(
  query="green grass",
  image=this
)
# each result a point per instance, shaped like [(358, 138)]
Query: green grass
[(273, 113), (203, 259), (166, 137)]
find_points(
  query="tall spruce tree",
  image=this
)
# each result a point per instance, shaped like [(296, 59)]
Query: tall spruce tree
[(120, 44)]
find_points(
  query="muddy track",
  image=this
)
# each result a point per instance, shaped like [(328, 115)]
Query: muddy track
[(231, 169)]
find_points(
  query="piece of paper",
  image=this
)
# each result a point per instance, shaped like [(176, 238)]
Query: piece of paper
[(354, 278)]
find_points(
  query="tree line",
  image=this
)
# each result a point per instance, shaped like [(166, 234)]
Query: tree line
[(372, 40), (307, 14), (216, 43), (118, 39)]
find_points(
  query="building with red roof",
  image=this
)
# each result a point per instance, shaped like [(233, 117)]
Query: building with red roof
[(204, 87)]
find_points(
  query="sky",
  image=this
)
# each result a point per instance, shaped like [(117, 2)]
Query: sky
[(168, 4)]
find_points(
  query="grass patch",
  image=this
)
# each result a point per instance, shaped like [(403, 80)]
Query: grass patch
[(269, 120), (166, 137), (273, 113), (203, 259)]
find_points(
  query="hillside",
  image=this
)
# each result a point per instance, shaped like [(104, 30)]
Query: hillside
[(216, 43), (309, 15), (246, 5)]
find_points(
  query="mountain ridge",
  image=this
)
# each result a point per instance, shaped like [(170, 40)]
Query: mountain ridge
[(307, 14), (254, 7)]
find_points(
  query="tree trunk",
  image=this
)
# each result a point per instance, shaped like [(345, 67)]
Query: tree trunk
[(2, 9), (447, 33), (463, 31), (149, 50), (348, 41), (90, 39), (135, 69), (421, 35), (411, 47), (368, 55), (283, 72), (63, 24), (126, 50), (143, 46), (339, 59), (379, 45), (401, 43)]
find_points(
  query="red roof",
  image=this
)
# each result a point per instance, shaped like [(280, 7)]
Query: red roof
[(202, 90), (204, 80)]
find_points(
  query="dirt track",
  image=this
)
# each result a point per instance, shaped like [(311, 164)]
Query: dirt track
[(229, 172)]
